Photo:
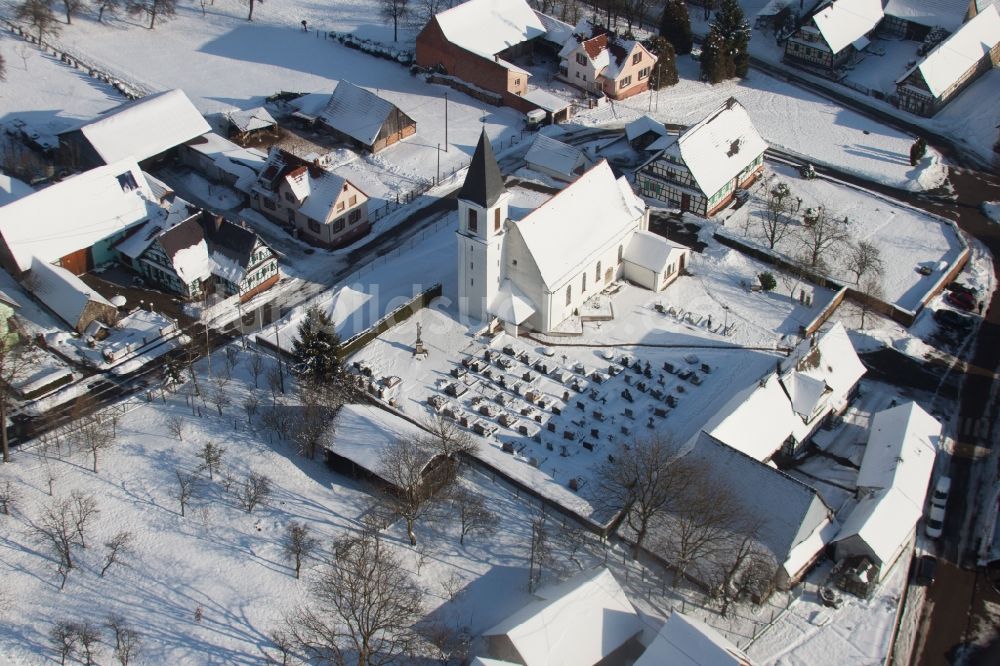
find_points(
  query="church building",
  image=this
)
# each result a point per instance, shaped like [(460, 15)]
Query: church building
[(538, 271)]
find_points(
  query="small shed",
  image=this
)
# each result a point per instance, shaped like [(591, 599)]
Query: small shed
[(652, 261), (879, 527), (244, 125), (364, 119), (68, 296), (556, 159), (643, 131)]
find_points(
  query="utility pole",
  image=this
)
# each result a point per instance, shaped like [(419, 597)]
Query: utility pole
[(446, 122), (208, 351), (277, 346), (439, 165)]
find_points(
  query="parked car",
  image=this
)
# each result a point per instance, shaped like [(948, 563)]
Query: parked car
[(939, 497), (961, 299), (958, 286), (953, 319), (926, 570), (935, 523)]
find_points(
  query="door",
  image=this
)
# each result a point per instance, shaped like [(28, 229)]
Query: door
[(685, 202), (607, 276), (77, 262)]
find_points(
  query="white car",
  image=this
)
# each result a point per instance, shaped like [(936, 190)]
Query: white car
[(935, 523), (939, 497)]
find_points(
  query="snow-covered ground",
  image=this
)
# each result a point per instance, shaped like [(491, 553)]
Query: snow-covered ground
[(992, 210)]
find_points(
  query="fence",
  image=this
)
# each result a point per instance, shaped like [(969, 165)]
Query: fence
[(400, 314)]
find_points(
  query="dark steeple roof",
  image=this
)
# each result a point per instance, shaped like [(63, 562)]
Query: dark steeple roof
[(483, 183)]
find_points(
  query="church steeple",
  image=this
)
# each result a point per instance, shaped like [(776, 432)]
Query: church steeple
[(483, 183)]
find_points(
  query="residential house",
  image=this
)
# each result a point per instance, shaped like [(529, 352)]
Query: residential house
[(523, 272), (581, 621), (643, 131), (914, 19), (146, 130), (833, 35), (596, 60), (683, 640), (700, 170), (892, 485), (76, 222), (476, 41), (556, 159), (952, 65), (171, 253), (246, 124), (239, 260), (782, 411), (325, 209), (68, 296), (363, 119)]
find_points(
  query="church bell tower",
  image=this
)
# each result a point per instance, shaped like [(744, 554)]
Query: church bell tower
[(482, 215)]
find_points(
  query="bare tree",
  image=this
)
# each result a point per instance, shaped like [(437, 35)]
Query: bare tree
[(40, 16), (71, 7), (475, 517), (363, 606), (744, 566), (864, 258), (211, 458), (232, 359), (220, 396), (541, 551), (83, 508), (402, 464), (250, 404), (284, 643), (62, 636), (118, 546), (275, 382), (775, 217), (642, 480), (108, 7), (312, 423), (94, 436), (8, 497), (185, 488), (256, 367), (175, 426), (821, 234), (88, 635), (55, 529), (14, 363), (255, 490), (395, 11), (870, 291), (153, 8), (128, 641), (298, 543), (449, 440)]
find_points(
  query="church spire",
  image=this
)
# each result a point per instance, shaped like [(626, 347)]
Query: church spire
[(483, 183)]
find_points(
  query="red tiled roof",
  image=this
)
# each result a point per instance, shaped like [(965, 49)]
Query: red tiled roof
[(595, 45)]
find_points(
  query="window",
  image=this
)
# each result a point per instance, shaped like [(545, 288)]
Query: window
[(338, 226), (473, 222), (621, 251), (289, 197), (517, 82), (597, 272), (354, 200), (268, 203), (577, 74), (496, 220), (354, 216), (581, 59), (472, 266), (127, 182), (625, 82), (314, 226), (637, 58), (643, 73), (340, 206), (569, 294), (583, 283)]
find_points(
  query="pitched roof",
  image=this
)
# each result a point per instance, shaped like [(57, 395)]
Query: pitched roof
[(556, 31), (12, 189), (249, 120), (947, 14), (362, 433), (578, 621), (61, 291), (644, 124), (483, 183), (187, 250), (883, 521), (486, 27), (138, 240), (953, 57), (76, 213), (511, 304), (902, 444), (843, 22), (686, 641), (554, 155), (145, 127), (756, 421), (719, 147), (596, 208), (651, 251), (358, 113), (833, 360)]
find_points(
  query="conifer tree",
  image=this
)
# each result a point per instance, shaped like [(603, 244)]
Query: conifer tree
[(731, 25), (675, 26), (713, 65), (665, 71), (316, 349)]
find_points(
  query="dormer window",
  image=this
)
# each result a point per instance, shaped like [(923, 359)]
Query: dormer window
[(127, 182)]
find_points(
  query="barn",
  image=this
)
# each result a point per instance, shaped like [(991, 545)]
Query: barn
[(364, 119)]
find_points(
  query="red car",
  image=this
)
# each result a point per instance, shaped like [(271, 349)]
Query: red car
[(961, 300)]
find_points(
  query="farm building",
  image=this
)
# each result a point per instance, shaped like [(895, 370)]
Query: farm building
[(556, 159), (833, 35), (364, 119), (245, 125), (686, 641), (68, 296)]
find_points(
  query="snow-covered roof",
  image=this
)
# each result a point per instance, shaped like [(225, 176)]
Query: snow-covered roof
[(323, 192), (545, 100), (243, 163), (883, 521), (61, 291), (652, 251), (555, 156), (720, 146), (161, 219), (556, 31), (620, 53), (362, 433), (12, 189), (187, 250), (596, 207), (756, 420), (487, 27), (511, 304), (644, 124), (805, 392), (902, 444), (75, 213), (684, 640), (833, 360), (805, 552), (953, 57), (358, 113), (250, 120), (230, 248), (578, 621), (947, 14), (145, 127), (8, 299), (843, 22), (485, 661)]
